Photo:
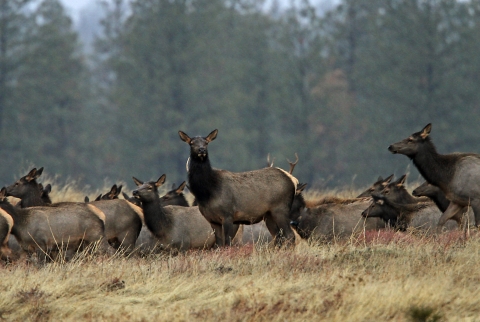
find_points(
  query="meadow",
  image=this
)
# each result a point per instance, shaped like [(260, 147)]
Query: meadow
[(372, 276)]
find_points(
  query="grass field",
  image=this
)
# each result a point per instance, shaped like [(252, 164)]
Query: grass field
[(375, 276)]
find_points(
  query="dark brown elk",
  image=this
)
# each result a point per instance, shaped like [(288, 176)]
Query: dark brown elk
[(227, 199), (44, 230), (175, 227), (456, 174), (420, 215), (438, 197), (175, 197), (45, 193), (397, 192), (27, 189), (376, 187), (147, 243)]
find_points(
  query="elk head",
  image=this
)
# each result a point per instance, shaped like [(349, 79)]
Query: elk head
[(198, 144), (412, 144)]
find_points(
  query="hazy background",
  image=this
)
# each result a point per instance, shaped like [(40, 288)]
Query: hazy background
[(97, 90)]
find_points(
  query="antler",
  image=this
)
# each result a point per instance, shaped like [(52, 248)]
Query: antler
[(293, 164), (269, 163)]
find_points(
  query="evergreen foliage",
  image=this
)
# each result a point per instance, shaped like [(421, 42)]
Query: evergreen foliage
[(336, 87)]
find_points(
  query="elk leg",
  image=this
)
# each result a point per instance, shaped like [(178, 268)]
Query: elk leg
[(476, 211), (229, 231), (451, 211), (219, 237)]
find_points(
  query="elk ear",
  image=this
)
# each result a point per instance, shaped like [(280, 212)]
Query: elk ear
[(86, 199), (401, 181), (160, 180), (119, 189), (426, 131), (300, 188), (389, 178), (211, 136), (184, 137), (99, 197), (137, 182), (39, 172), (48, 188), (3, 193), (181, 187), (32, 175), (125, 196)]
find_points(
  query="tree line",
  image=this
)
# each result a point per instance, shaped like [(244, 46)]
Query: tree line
[(336, 87)]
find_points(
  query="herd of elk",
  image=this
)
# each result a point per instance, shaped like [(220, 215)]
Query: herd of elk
[(258, 206)]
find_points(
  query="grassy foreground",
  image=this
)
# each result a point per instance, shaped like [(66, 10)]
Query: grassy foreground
[(379, 276)]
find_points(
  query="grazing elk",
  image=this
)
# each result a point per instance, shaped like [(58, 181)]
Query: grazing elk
[(420, 215), (227, 199), (376, 187), (44, 230), (456, 174), (175, 227)]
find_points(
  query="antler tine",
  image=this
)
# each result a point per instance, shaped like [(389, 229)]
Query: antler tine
[(270, 163), (293, 164)]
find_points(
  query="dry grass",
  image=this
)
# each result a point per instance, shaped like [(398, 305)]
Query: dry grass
[(377, 276)]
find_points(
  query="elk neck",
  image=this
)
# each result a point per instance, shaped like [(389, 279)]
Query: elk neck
[(203, 180), (437, 169), (156, 219)]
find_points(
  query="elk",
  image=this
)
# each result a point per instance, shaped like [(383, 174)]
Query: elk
[(122, 219), (27, 189), (175, 197), (335, 219), (456, 174), (45, 193), (44, 230), (376, 187), (123, 222), (175, 227), (147, 243), (6, 224), (227, 199), (438, 197), (420, 215)]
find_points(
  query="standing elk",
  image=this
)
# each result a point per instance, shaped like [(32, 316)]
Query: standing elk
[(456, 174), (175, 227), (227, 199)]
